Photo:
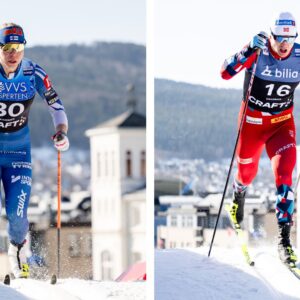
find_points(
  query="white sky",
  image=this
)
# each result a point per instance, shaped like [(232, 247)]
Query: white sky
[(192, 38), (66, 21)]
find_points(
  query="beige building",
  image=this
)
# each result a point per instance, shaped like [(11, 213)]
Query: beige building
[(75, 252), (118, 171), (190, 221), (75, 239)]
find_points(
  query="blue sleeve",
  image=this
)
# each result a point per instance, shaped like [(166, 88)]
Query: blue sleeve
[(47, 92)]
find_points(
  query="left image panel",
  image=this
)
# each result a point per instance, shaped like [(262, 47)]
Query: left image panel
[(73, 150)]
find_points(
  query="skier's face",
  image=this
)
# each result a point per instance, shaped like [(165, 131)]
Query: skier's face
[(282, 48), (10, 59)]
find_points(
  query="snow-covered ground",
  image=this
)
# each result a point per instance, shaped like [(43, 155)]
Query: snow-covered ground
[(72, 289), (191, 275)]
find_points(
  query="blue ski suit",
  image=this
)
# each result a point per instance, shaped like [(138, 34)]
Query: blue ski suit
[(16, 96)]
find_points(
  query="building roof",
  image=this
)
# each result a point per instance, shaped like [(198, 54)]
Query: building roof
[(127, 119)]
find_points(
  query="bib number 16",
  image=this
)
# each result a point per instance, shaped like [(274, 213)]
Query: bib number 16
[(282, 91)]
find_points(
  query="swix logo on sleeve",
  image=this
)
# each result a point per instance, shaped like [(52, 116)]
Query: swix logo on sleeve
[(51, 96)]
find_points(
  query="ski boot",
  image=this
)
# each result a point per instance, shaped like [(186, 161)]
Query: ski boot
[(17, 260), (236, 210), (285, 250)]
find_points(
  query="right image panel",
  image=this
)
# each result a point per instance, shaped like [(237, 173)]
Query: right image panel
[(226, 177)]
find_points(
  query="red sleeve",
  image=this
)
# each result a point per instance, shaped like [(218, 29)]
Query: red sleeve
[(236, 63)]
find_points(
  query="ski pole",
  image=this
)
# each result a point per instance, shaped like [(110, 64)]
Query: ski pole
[(58, 223), (235, 146)]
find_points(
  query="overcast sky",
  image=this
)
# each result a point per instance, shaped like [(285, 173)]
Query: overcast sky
[(86, 21), (193, 37)]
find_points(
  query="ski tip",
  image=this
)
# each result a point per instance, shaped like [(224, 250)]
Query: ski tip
[(6, 279), (252, 263), (53, 279)]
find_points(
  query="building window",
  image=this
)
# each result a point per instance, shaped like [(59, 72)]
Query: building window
[(112, 203), (202, 221), (113, 164), (106, 164), (128, 164), (87, 251), (105, 205), (134, 216), (98, 165), (74, 245), (189, 221), (143, 164), (98, 204), (173, 221), (106, 265)]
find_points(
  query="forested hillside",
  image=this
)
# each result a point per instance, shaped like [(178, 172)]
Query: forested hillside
[(91, 81), (195, 121)]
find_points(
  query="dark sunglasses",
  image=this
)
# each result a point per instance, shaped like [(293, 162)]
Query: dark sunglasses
[(281, 38)]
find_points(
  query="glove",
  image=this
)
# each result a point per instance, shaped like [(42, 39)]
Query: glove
[(259, 41), (61, 141)]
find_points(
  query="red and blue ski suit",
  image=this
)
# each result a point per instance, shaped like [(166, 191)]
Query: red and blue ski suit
[(269, 120)]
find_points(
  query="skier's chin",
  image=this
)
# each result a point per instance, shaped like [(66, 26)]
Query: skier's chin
[(12, 64)]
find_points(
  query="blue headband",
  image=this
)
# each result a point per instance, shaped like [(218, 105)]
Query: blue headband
[(12, 34)]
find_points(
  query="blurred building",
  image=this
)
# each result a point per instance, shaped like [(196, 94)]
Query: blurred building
[(118, 178), (41, 245), (190, 221)]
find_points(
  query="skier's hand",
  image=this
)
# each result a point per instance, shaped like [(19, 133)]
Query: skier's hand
[(259, 41), (61, 141)]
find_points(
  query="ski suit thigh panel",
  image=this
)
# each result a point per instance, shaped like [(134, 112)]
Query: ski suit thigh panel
[(281, 149), (249, 149), (17, 186)]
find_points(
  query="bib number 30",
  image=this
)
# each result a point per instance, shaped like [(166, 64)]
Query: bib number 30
[(12, 110)]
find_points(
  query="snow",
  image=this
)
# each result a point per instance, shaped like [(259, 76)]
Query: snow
[(72, 289), (190, 274)]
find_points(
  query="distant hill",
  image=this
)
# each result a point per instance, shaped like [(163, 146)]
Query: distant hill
[(195, 121), (91, 81)]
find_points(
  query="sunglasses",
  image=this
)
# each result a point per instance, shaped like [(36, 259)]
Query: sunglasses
[(281, 39), (12, 46)]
